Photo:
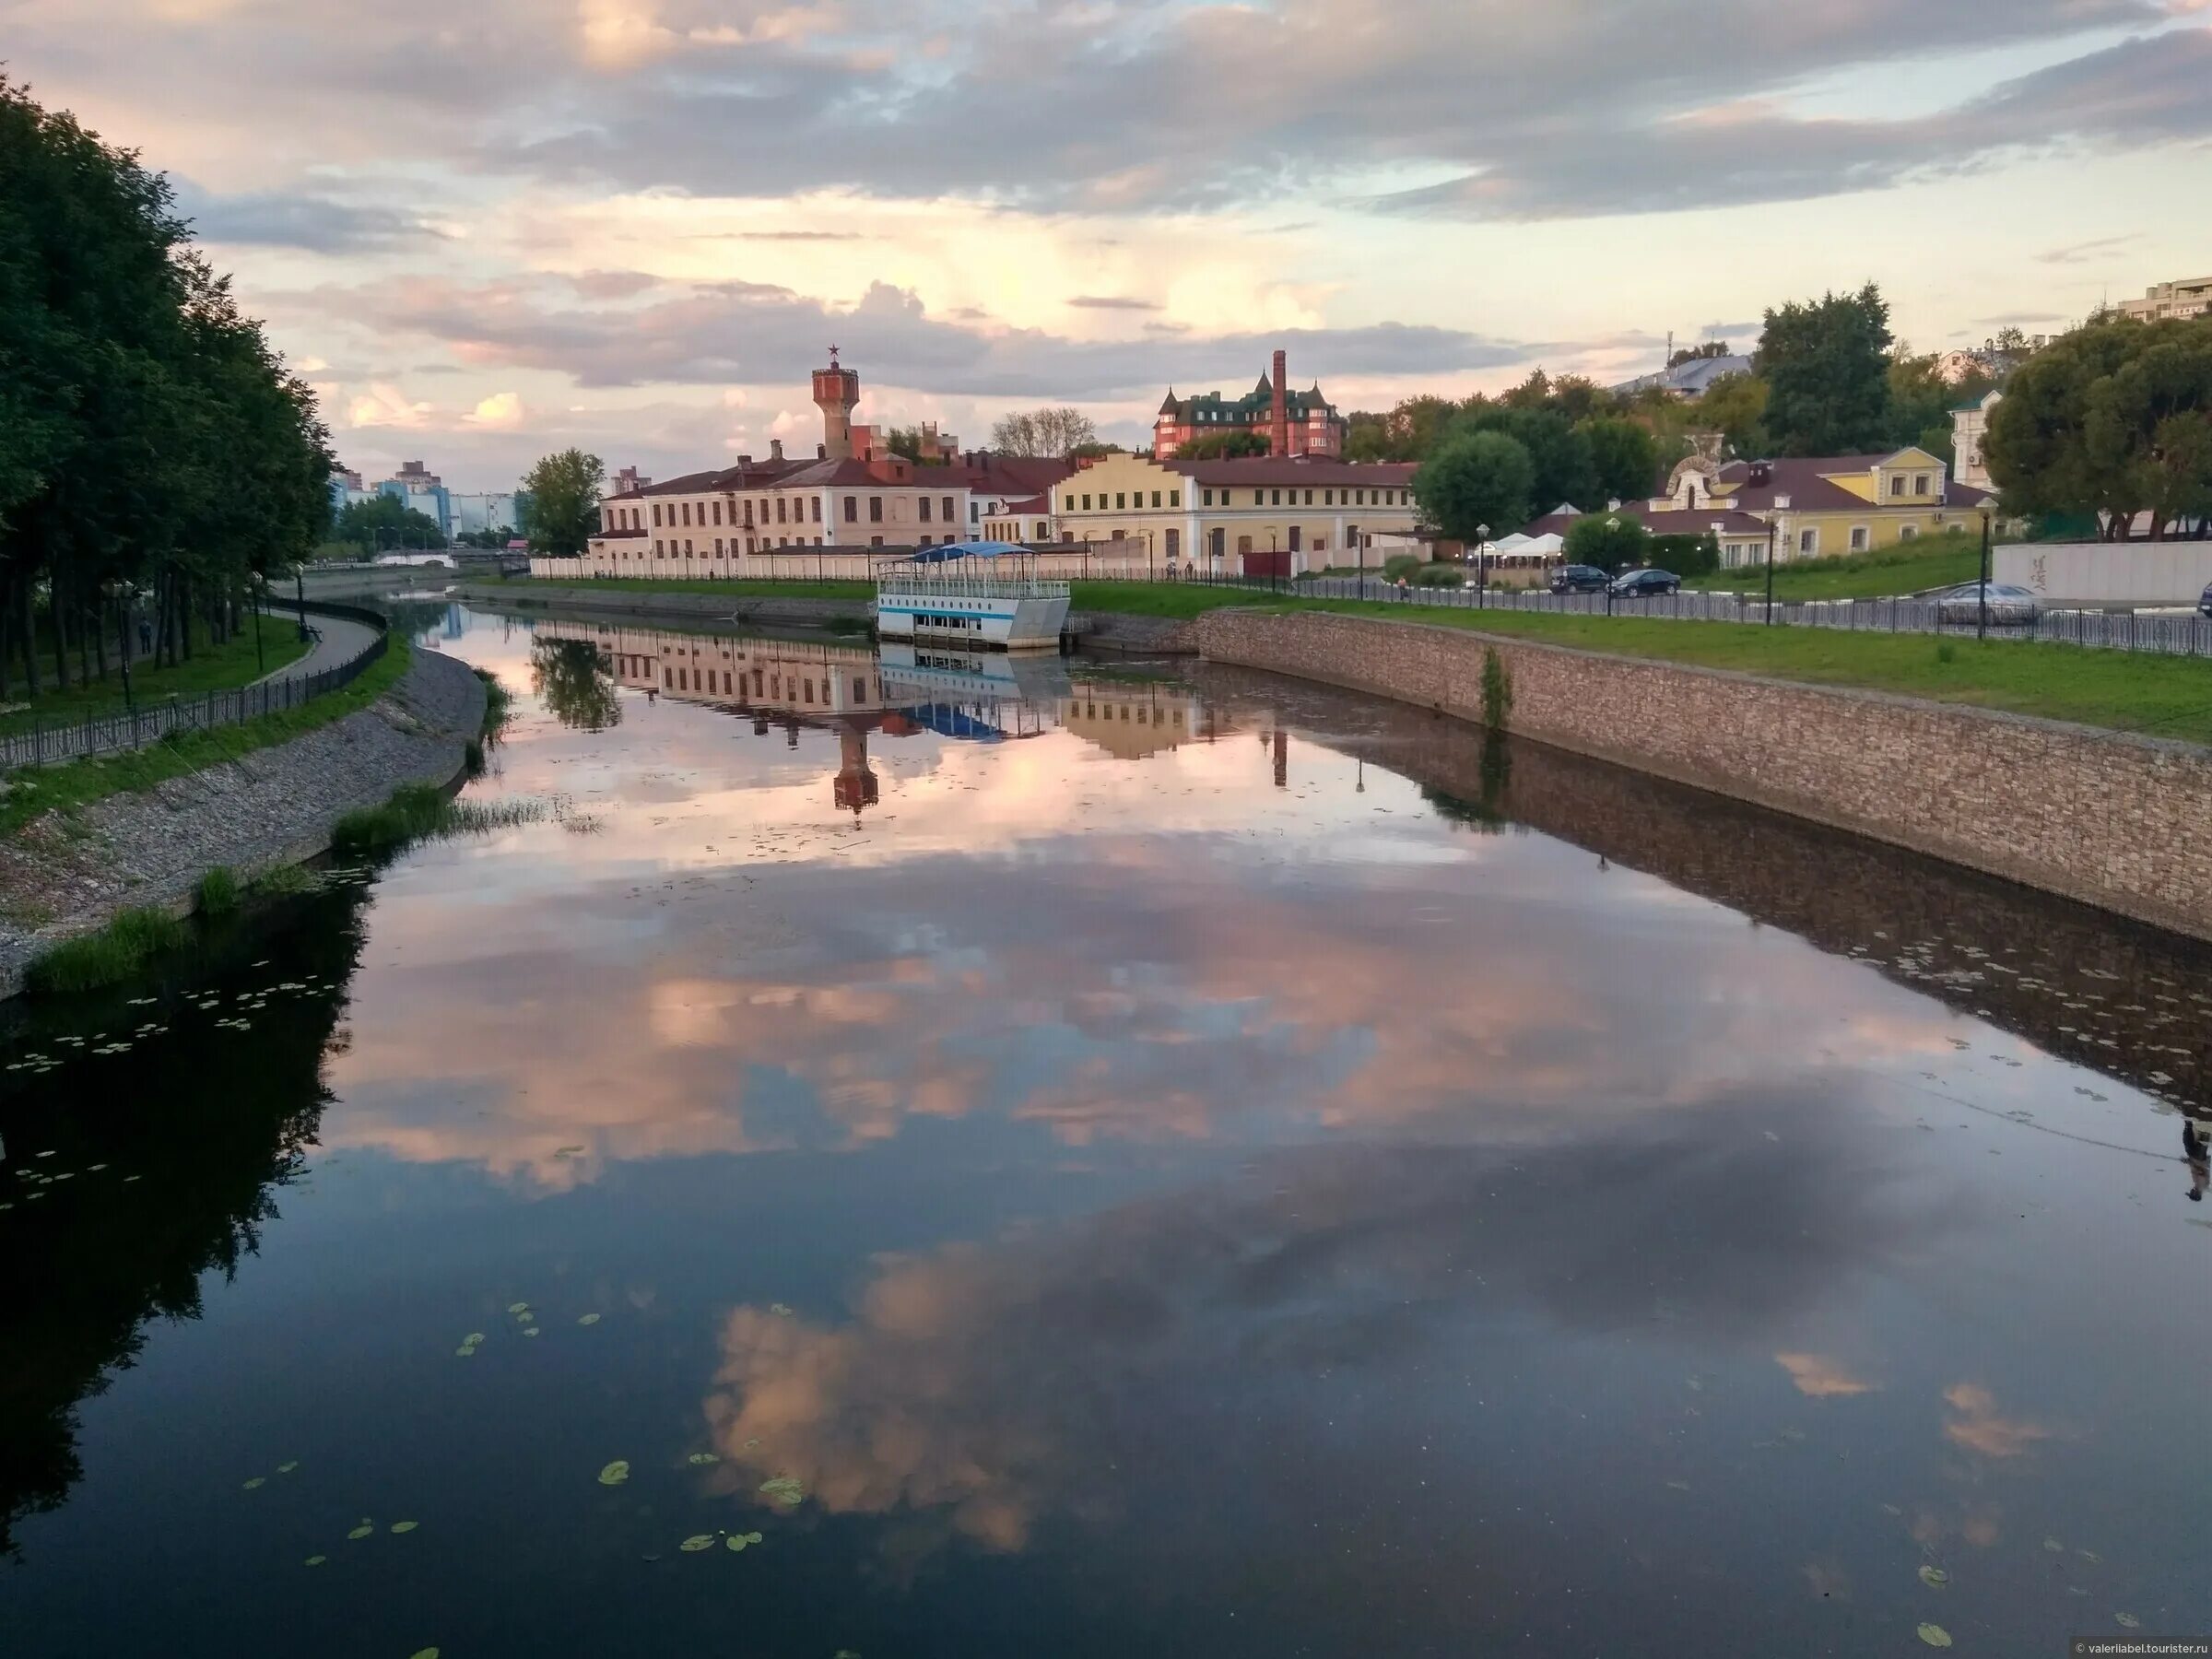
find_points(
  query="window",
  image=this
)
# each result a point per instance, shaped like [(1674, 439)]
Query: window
[(974, 511), (1897, 484), (924, 511), (718, 546), (686, 512), (656, 515), (1259, 498), (1209, 497), (1043, 530), (948, 514), (1278, 498), (656, 547), (814, 510), (875, 541), (1308, 498), (1087, 503), (875, 510), (781, 511), (718, 512), (852, 509), (1155, 498), (1808, 541), (860, 690), (1858, 538), (1174, 497), (1120, 500), (749, 513), (1920, 484), (1907, 532)]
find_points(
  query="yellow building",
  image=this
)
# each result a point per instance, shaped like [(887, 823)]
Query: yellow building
[(1257, 515), (1825, 507)]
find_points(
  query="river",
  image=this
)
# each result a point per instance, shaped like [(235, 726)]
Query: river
[(925, 1157)]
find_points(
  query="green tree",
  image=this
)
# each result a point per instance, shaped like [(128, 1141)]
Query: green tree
[(562, 510), (2109, 420), (1735, 406), (1920, 406), (1826, 363), (1565, 472), (1056, 431), (387, 523), (1223, 446), (1624, 459), (1611, 541), (1476, 478)]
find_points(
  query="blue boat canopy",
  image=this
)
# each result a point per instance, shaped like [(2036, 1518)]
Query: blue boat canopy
[(967, 549)]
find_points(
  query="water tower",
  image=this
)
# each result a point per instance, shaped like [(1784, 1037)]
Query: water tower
[(836, 393)]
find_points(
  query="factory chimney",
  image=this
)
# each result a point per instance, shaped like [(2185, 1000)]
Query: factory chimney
[(1279, 430)]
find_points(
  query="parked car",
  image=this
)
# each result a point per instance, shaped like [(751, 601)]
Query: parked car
[(1642, 584), (1580, 579), (2009, 606), (2204, 602)]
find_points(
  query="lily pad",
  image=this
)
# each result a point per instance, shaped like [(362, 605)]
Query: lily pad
[(315, 1561), (425, 1653), (588, 1319), (785, 1490), (362, 1531), (616, 1473), (1934, 1635), (751, 1444), (529, 1330), (779, 1309), (1935, 1578), (697, 1542), (405, 1527), (735, 1541), (255, 1482), (518, 1306), (2128, 1620), (752, 1537), (473, 1339), (703, 1457), (468, 1350), (2053, 1546), (286, 1468)]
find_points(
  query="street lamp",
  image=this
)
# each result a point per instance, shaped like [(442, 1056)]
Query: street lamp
[(1482, 566), (1611, 523), (1981, 608), (1772, 526), (121, 590)]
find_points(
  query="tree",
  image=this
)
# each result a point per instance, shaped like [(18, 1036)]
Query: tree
[(1611, 541), (2109, 420), (571, 677), (1920, 406), (907, 442), (1735, 406), (387, 521), (1624, 458), (562, 507), (1826, 364), (1055, 431), (1224, 446), (1093, 450), (1565, 471), (1693, 354), (1476, 478)]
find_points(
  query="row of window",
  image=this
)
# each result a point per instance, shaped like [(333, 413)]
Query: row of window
[(1260, 497), (702, 679), (687, 548), (1897, 484), (789, 509)]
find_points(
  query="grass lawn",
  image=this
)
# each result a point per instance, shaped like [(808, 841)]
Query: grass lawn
[(212, 668), (33, 790), (2164, 696), (1931, 561)]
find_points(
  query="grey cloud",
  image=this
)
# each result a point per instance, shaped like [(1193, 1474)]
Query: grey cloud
[(2079, 253), (282, 219), (2017, 319), (753, 334), (1111, 302)]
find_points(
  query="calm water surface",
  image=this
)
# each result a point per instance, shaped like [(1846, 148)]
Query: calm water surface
[(1168, 1162)]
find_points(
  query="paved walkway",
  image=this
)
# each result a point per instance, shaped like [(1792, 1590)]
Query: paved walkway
[(340, 642)]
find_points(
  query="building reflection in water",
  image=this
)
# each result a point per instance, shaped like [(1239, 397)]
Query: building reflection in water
[(856, 692)]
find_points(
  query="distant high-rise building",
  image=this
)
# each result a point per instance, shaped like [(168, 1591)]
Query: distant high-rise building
[(2189, 297)]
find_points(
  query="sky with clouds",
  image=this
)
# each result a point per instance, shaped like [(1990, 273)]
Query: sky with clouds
[(483, 231)]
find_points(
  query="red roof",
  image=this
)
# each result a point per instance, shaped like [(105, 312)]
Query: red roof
[(1802, 480), (1042, 503)]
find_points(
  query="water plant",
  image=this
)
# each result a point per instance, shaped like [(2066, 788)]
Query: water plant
[(126, 944), (217, 893)]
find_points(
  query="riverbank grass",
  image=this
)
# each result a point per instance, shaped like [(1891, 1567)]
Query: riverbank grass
[(212, 668), (417, 812), (131, 939), (30, 792), (1914, 567)]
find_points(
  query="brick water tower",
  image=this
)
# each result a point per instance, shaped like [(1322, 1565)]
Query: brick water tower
[(837, 394)]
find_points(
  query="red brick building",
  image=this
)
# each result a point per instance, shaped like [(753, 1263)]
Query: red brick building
[(1294, 423)]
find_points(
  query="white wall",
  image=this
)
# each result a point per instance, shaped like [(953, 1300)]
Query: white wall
[(2109, 573)]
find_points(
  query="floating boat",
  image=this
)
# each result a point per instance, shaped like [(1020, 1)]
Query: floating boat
[(957, 595)]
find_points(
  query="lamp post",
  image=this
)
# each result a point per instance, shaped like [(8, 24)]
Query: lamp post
[(121, 590), (1981, 608), (1772, 528), (1482, 567), (1611, 523)]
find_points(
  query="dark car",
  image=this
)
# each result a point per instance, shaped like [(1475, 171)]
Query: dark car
[(1578, 578), (2204, 602), (1642, 584)]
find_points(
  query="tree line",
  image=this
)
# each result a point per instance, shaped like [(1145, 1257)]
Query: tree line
[(158, 459)]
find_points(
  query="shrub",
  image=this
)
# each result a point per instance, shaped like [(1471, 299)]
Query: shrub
[(1497, 690), (131, 939), (1440, 575), (282, 882), (216, 894), (1401, 564)]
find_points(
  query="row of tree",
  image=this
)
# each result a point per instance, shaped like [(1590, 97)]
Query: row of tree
[(155, 452)]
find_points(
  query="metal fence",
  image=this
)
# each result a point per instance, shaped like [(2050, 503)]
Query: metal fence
[(155, 721), (2180, 633)]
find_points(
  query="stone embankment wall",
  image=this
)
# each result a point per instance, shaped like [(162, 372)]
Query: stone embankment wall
[(2119, 821), (271, 807)]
